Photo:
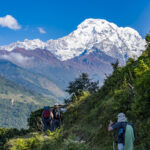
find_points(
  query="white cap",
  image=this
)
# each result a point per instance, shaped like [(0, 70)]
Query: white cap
[(122, 117)]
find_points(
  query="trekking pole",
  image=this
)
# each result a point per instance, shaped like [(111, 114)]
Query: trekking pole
[(113, 141)]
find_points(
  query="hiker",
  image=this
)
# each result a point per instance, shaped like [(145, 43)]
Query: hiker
[(47, 116), (57, 116), (126, 132)]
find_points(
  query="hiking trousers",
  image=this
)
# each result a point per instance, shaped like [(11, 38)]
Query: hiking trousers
[(57, 123), (46, 124), (52, 125), (120, 146)]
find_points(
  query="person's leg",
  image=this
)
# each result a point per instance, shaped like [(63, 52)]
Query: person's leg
[(120, 146), (52, 125), (56, 123), (45, 125), (49, 125)]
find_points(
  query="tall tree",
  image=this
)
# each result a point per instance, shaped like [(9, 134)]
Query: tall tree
[(81, 84)]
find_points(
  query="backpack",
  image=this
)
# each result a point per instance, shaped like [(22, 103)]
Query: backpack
[(122, 131), (46, 113), (57, 113), (129, 137)]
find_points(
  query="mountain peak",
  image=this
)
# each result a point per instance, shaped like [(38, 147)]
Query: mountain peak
[(102, 23), (117, 42)]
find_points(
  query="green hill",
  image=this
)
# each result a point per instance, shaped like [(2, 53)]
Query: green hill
[(86, 120), (30, 80), (16, 104)]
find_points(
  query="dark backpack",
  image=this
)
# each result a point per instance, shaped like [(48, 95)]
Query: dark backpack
[(57, 113)]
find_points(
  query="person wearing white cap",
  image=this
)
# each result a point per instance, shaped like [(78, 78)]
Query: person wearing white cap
[(57, 116), (126, 132)]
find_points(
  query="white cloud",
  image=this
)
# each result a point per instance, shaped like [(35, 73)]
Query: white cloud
[(17, 58), (41, 30), (10, 22)]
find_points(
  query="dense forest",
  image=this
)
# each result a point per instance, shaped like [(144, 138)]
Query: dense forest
[(88, 113)]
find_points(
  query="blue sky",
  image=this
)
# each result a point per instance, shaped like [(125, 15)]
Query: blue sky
[(52, 19)]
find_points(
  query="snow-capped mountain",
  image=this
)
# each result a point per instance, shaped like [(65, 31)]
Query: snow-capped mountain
[(48, 67), (117, 42), (26, 44), (114, 41)]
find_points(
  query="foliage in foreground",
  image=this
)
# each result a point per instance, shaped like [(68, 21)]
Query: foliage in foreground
[(6, 134), (37, 141)]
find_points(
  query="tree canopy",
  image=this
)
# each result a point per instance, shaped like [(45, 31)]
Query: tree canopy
[(81, 84)]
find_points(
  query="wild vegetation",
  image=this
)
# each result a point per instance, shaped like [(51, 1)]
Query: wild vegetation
[(16, 104), (80, 85), (126, 90)]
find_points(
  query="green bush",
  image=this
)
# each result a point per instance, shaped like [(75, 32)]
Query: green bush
[(6, 134), (35, 121)]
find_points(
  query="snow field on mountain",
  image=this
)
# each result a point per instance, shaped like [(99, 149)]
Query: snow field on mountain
[(114, 41)]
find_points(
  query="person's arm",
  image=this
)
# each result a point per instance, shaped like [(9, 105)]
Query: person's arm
[(51, 114), (113, 126), (110, 126)]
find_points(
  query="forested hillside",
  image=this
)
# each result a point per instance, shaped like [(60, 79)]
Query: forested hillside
[(86, 120), (16, 104)]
